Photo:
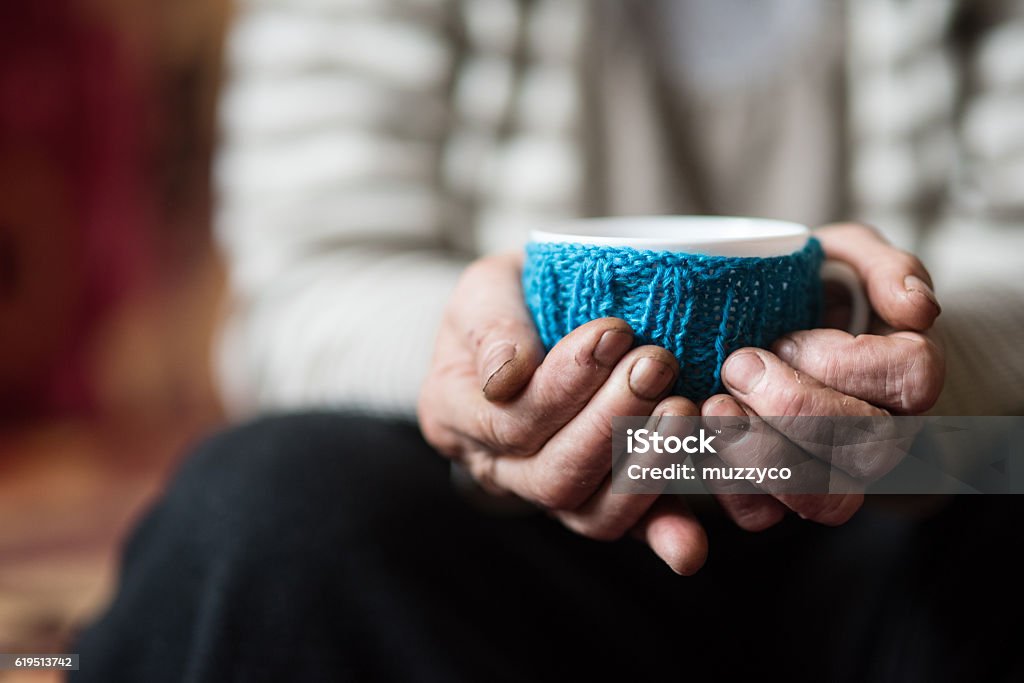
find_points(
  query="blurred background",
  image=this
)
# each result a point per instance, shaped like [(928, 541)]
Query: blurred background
[(108, 288)]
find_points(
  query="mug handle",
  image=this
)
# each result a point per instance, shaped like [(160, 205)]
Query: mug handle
[(843, 274)]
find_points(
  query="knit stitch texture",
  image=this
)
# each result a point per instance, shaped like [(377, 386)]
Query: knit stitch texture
[(701, 308)]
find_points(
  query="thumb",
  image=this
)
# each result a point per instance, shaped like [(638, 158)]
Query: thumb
[(490, 314)]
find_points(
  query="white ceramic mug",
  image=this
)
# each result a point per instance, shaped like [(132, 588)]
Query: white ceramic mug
[(710, 236)]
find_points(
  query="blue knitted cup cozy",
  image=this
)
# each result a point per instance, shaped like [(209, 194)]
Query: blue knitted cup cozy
[(701, 308)]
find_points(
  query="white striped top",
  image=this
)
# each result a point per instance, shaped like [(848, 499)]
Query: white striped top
[(371, 147)]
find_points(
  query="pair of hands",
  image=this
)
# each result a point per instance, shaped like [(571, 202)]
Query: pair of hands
[(539, 426)]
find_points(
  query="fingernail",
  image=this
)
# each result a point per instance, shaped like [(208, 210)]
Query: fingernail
[(913, 283), (499, 355), (725, 407), (743, 371), (727, 419), (671, 411), (650, 377), (785, 349), (611, 347)]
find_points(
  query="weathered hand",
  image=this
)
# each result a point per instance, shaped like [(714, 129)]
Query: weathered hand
[(540, 426), (895, 370)]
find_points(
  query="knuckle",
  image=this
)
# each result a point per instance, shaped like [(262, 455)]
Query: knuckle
[(556, 489), (435, 431), (504, 432), (792, 398), (480, 268), (823, 352), (468, 281), (910, 262), (552, 496), (582, 477), (558, 389), (869, 230), (600, 425), (490, 331), (435, 435), (853, 228)]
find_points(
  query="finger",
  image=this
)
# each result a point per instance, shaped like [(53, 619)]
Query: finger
[(497, 328), (898, 285), (607, 516), (903, 372), (765, 386), (574, 462), (760, 446), (770, 387), (565, 381), (745, 504), (675, 535), (786, 398), (865, 449), (495, 325), (575, 369)]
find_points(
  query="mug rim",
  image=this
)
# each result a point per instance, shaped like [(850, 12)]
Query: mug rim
[(709, 235)]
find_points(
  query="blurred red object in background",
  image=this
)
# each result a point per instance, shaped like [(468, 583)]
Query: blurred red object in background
[(109, 287), (76, 207)]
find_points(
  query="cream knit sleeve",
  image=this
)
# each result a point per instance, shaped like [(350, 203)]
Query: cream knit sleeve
[(330, 213)]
